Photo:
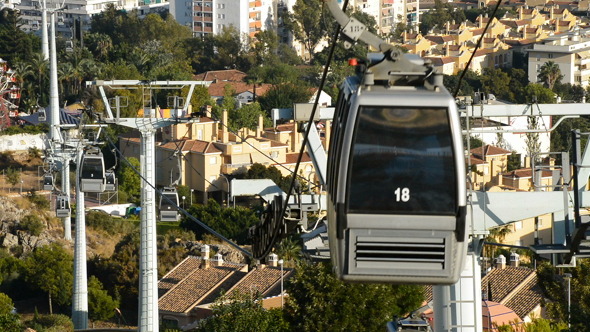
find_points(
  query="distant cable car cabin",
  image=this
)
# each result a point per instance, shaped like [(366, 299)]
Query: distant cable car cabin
[(110, 181), (47, 181), (169, 204), (396, 177), (42, 115), (62, 206), (92, 172)]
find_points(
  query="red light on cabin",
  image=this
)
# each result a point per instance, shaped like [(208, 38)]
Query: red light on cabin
[(353, 62)]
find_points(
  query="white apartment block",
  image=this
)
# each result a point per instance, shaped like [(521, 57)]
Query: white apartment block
[(570, 51), (212, 16)]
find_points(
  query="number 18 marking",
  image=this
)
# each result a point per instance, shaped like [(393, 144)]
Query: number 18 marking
[(402, 194)]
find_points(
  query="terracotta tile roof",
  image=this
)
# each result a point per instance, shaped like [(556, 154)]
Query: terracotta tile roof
[(177, 274), (440, 39), (477, 32), (276, 144), (261, 280), (198, 282), (504, 281), (217, 89), (476, 161), (231, 75), (225, 286), (526, 173), (489, 150), (196, 146), (482, 52), (454, 47), (439, 61), (527, 299), (291, 158), (282, 127)]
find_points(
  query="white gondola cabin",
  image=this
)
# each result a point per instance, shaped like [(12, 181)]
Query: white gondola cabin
[(169, 204), (110, 181), (47, 181), (42, 115), (92, 172), (396, 181), (62, 206)]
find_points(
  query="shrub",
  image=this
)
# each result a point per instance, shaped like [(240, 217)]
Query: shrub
[(51, 323), (32, 224)]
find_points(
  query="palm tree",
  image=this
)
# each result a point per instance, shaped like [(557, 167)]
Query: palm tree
[(40, 74), (549, 74)]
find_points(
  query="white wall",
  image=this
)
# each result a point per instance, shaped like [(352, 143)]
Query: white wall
[(23, 142)]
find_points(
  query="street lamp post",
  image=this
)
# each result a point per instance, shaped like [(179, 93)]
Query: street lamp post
[(282, 294), (568, 277), (183, 198), (192, 193)]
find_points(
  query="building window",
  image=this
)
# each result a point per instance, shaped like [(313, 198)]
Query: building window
[(518, 225), (200, 134), (212, 178), (550, 55), (274, 154), (212, 160)]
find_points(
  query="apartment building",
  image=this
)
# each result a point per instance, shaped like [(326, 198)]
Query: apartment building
[(212, 16), (570, 51)]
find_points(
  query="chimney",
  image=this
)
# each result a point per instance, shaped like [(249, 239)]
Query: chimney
[(273, 260), (524, 31), (514, 259), (218, 260), (205, 256), (260, 126), (224, 133), (501, 262), (207, 110)]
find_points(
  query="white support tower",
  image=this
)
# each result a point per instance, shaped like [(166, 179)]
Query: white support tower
[(147, 125), (80, 294)]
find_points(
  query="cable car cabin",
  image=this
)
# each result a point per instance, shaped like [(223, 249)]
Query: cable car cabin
[(396, 185), (42, 117), (47, 182), (92, 173), (110, 181), (62, 206), (169, 204)]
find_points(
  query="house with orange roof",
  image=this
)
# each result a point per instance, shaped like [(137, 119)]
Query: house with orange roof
[(416, 43), (496, 163), (188, 291)]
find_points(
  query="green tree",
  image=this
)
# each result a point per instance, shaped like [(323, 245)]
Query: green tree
[(14, 42), (536, 93), (10, 322), (6, 304), (101, 306), (129, 179), (233, 223), (245, 117), (50, 269), (318, 301), (12, 176), (308, 23), (550, 74), (497, 82), (243, 313), (120, 272), (285, 95)]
